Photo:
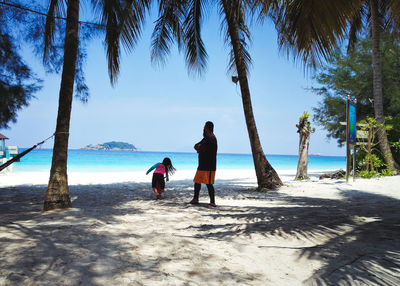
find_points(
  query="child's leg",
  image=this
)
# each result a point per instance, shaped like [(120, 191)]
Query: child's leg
[(160, 191)]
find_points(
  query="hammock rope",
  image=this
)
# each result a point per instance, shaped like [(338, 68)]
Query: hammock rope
[(19, 156)]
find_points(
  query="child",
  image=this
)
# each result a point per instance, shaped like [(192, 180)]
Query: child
[(158, 183)]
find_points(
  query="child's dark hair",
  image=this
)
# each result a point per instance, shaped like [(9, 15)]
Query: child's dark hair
[(168, 166)]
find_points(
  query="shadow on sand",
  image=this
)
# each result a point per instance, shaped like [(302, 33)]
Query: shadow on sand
[(357, 237)]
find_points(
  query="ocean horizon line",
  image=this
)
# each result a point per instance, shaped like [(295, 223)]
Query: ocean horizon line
[(189, 152)]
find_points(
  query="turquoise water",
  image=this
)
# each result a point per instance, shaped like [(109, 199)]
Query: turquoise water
[(121, 161)]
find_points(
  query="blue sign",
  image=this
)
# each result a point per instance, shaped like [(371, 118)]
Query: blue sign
[(352, 124)]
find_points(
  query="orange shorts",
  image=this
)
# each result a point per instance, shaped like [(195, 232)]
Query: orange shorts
[(204, 177)]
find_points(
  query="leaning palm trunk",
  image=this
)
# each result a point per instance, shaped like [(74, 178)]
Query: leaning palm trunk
[(304, 143), (266, 175), (57, 195), (377, 87)]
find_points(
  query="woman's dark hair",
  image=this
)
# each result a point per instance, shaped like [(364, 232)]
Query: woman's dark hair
[(168, 166), (210, 126)]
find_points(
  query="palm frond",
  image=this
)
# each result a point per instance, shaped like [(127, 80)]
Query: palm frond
[(356, 26), (393, 11), (56, 8), (167, 29), (262, 9), (133, 17), (312, 30), (395, 8), (195, 52), (110, 18), (237, 12), (123, 21), (247, 59)]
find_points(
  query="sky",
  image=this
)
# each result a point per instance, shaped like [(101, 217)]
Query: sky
[(164, 108)]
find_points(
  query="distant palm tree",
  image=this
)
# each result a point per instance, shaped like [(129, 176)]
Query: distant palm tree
[(123, 21), (180, 21), (312, 30)]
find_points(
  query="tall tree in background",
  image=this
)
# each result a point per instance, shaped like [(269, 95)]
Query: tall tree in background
[(316, 27), (378, 9), (380, 16), (350, 74), (181, 21), (123, 22)]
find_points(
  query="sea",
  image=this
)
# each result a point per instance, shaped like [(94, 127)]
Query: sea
[(39, 160)]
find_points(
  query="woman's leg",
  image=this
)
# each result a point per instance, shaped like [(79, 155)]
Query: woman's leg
[(211, 193), (197, 188)]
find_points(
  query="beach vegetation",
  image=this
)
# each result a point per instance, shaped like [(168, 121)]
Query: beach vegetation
[(374, 19), (383, 16), (368, 174), (370, 159), (122, 23), (350, 74)]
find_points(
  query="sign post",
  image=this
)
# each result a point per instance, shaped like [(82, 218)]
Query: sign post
[(351, 136)]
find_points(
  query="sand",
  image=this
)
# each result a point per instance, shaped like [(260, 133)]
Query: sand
[(313, 232)]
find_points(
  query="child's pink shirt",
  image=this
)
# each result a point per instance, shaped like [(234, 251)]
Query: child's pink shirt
[(160, 169)]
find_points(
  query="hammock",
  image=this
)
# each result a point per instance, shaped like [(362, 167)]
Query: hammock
[(19, 156)]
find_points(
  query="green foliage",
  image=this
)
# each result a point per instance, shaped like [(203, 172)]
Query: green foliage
[(18, 83), (305, 116), (369, 158), (369, 174), (304, 124), (395, 145), (388, 171), (351, 74), (374, 160)]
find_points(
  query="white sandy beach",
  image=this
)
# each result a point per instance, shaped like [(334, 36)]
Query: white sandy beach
[(314, 232)]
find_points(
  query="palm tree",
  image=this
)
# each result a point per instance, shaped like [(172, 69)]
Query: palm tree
[(122, 21), (180, 20), (313, 29), (378, 9)]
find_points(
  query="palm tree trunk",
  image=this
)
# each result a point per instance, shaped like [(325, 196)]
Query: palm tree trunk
[(304, 143), (377, 85), (57, 195), (266, 174)]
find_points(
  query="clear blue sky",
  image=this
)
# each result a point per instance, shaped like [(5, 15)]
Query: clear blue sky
[(164, 109)]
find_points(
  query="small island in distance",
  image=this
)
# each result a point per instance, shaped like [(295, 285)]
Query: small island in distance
[(111, 146)]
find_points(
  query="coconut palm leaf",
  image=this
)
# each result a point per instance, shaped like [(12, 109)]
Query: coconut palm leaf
[(168, 29), (123, 21), (356, 26), (312, 30), (238, 13), (195, 52)]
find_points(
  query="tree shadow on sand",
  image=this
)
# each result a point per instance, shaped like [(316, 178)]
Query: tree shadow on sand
[(91, 243), (356, 237), (60, 247)]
